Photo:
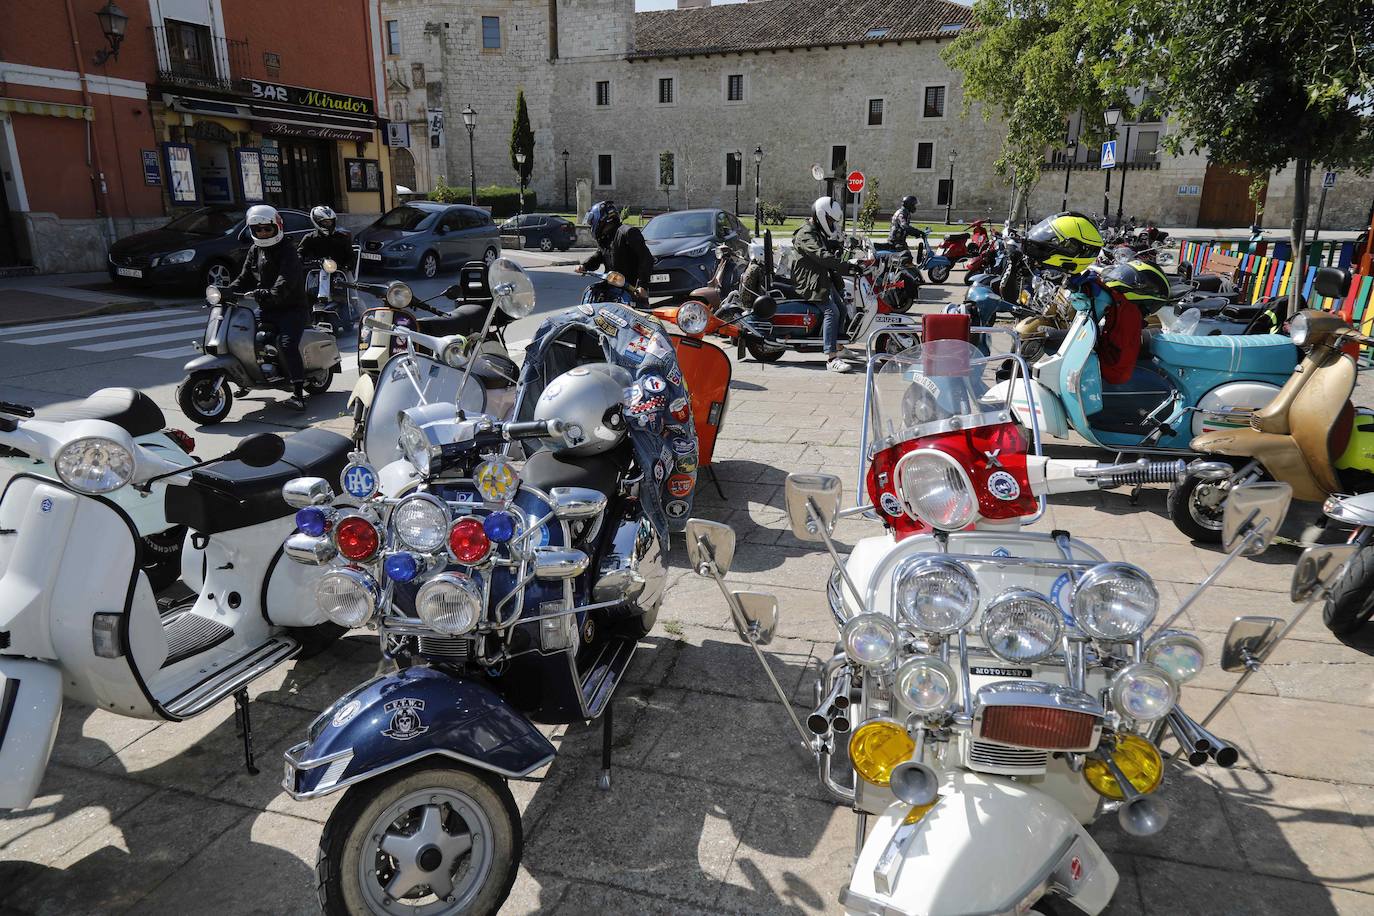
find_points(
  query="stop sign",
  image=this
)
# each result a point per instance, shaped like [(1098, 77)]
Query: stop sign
[(855, 181)]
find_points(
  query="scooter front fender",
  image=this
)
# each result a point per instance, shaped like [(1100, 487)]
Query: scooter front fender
[(30, 707), (362, 391), (400, 718), (989, 846), (212, 361)]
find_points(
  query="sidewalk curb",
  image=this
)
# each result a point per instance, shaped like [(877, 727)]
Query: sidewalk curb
[(109, 308)]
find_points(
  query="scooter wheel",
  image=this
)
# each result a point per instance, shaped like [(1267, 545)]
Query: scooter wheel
[(763, 352), (939, 274), (1195, 507), (1352, 596), (379, 820), (203, 401)]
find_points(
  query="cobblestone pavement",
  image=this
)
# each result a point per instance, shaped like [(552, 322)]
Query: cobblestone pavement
[(712, 809)]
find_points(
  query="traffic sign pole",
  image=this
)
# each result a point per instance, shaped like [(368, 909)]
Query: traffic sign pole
[(1108, 163), (855, 183)]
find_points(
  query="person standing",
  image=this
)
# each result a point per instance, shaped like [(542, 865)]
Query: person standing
[(273, 276)]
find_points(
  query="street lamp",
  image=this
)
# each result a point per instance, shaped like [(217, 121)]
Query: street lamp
[(1112, 117), (520, 173), (738, 157), (113, 22), (758, 163), (564, 154), (949, 193), (470, 122)]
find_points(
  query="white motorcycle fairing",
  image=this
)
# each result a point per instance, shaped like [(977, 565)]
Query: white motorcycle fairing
[(989, 846)]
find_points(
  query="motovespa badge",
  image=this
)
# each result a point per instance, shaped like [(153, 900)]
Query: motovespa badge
[(359, 481), (1003, 486), (405, 719)]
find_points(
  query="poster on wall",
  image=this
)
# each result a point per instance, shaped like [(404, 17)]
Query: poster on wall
[(250, 175), (271, 167), (152, 169), (363, 174), (181, 173), (372, 171)]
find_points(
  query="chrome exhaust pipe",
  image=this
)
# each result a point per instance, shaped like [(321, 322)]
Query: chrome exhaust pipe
[(1195, 757), (839, 721), (1220, 750)]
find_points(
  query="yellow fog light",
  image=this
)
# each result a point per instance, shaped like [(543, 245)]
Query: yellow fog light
[(1139, 762), (876, 749), (496, 480)]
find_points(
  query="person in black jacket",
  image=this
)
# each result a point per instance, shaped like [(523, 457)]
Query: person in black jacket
[(619, 247), (273, 276), (327, 241)]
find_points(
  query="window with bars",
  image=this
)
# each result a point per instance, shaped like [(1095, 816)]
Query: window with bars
[(934, 106), (875, 112), (491, 33), (734, 87), (925, 156), (603, 93), (665, 90)]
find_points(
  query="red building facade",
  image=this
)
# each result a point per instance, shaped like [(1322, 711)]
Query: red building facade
[(208, 102)]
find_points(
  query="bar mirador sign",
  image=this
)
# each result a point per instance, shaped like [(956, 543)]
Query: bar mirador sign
[(318, 99)]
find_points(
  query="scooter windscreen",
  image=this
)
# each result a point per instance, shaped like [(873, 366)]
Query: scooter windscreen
[(932, 388), (407, 381)]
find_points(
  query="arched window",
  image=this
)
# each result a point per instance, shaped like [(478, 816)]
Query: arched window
[(403, 168)]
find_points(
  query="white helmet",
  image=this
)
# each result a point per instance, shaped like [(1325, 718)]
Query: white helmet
[(324, 218), (588, 402), (261, 216), (828, 214)]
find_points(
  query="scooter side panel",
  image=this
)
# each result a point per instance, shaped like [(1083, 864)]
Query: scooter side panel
[(1080, 379), (415, 713), (1234, 395), (40, 515), (1049, 413), (30, 709), (319, 349)]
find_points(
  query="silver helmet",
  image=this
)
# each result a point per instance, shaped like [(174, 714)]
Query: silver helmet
[(588, 400)]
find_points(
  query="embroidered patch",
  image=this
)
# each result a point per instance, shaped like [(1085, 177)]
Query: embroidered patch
[(677, 509), (619, 321), (680, 485)]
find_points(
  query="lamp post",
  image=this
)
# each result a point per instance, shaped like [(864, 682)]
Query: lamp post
[(758, 164), (564, 154), (949, 193), (1072, 150), (1112, 117), (738, 157), (113, 23), (520, 173), (1125, 161), (470, 122)]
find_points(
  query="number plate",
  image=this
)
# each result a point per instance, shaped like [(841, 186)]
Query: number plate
[(658, 278), (129, 272), (369, 256)]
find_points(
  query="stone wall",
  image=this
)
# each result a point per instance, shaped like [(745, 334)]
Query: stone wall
[(59, 245)]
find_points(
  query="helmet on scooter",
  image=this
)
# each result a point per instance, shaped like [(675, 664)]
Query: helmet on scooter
[(324, 218), (1139, 281), (909, 203), (588, 400), (265, 225), (1065, 241), (828, 214), (604, 220)]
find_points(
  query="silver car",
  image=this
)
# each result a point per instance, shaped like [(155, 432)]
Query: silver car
[(426, 237)]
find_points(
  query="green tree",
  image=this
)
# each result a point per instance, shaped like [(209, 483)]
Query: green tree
[(522, 142), (868, 210)]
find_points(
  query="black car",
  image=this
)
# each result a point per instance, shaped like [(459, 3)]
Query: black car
[(684, 244), (541, 230), (202, 248)]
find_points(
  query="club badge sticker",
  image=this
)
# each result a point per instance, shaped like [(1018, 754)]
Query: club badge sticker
[(406, 722)]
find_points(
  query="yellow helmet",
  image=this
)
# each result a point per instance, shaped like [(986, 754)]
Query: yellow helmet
[(1066, 241), (1139, 281)]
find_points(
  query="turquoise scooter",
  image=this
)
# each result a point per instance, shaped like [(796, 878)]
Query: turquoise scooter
[(1182, 386)]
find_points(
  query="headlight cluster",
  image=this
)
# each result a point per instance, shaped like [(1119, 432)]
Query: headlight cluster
[(1115, 602), (1143, 692), (937, 489), (1021, 626), (450, 603), (935, 594), (420, 523), (94, 464), (1178, 653)]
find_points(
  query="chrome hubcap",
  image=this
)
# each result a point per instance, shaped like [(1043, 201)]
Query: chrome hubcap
[(208, 400), (1205, 505), (429, 853)]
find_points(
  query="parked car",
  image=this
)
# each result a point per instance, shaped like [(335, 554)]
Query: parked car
[(684, 243), (425, 236), (541, 230), (202, 248)]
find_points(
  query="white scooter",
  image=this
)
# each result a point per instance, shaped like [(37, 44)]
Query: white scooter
[(78, 617)]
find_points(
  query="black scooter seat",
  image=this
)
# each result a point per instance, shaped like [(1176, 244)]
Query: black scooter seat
[(230, 495), (128, 408), (545, 470)]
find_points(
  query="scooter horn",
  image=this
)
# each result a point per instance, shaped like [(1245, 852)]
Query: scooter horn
[(1139, 814), (1202, 741), (915, 783)]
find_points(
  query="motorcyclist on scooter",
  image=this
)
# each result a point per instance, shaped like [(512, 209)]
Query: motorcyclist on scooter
[(272, 275), (815, 270), (901, 225), (619, 247), (327, 241)]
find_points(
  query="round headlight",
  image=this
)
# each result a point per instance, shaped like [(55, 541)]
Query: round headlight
[(935, 593), (870, 640), (1115, 602), (692, 318), (414, 444), (94, 464), (925, 685), (421, 523), (348, 597), (454, 354), (213, 295), (1138, 760), (450, 604), (615, 278), (1298, 329), (1143, 692), (1021, 626), (398, 295), (876, 749), (937, 489), (1180, 654)]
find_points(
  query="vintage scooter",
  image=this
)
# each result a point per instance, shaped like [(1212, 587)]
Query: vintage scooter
[(239, 352), (79, 616), (334, 294), (998, 689), (958, 246)]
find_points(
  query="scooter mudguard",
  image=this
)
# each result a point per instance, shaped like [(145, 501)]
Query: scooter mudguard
[(989, 846), (30, 707), (413, 714), (1049, 413), (362, 392), (210, 361), (937, 261), (706, 370)]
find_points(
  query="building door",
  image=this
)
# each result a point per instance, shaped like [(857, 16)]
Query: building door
[(1226, 198), (9, 251), (307, 174)]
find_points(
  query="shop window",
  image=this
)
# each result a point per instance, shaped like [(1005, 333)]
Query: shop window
[(934, 102), (491, 33), (393, 37)]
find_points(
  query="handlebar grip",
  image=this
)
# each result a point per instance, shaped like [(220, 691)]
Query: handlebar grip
[(19, 410), (534, 429)]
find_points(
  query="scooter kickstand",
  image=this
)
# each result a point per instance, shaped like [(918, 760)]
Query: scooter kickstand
[(603, 781), (243, 722)]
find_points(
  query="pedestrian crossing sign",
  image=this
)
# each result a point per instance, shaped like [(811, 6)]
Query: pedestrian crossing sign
[(1109, 154)]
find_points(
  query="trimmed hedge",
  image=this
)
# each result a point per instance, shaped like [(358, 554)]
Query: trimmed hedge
[(502, 200)]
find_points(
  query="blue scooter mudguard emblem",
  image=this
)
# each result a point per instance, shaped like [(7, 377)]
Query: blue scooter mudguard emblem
[(419, 712)]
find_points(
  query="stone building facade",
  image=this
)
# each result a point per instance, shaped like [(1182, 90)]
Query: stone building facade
[(840, 83)]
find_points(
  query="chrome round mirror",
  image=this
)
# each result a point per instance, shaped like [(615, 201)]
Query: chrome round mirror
[(511, 287)]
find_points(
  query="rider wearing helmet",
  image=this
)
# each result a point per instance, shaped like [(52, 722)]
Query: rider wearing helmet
[(1067, 242), (619, 247), (901, 224), (327, 241), (817, 246), (272, 274)]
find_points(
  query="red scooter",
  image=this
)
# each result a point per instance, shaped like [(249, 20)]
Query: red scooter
[(961, 245)]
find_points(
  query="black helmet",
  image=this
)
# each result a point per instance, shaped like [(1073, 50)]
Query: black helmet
[(1065, 241), (909, 203), (1139, 281), (604, 220)]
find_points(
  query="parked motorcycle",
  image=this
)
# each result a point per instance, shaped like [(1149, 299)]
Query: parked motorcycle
[(238, 350), (80, 618), (959, 246)]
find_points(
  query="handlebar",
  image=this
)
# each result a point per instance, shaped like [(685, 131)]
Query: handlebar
[(533, 429)]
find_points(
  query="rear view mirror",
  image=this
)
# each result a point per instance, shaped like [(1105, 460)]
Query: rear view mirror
[(259, 451), (1317, 567), (710, 547), (454, 292), (1254, 511), (813, 500), (559, 563), (760, 611), (511, 287), (1248, 641), (307, 491), (1332, 282)]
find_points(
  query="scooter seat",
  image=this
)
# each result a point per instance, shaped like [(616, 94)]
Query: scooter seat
[(128, 408), (1255, 354), (545, 470), (230, 495)]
